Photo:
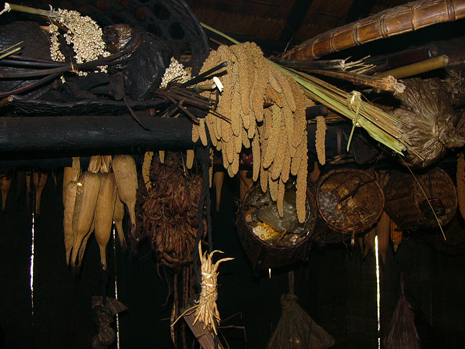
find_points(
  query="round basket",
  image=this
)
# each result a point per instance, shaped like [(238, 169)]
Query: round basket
[(170, 20), (350, 201), (264, 255), (407, 205)]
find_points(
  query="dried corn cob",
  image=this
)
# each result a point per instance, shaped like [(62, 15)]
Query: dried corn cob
[(118, 216), (69, 200), (103, 215), (124, 168), (71, 173), (83, 216)]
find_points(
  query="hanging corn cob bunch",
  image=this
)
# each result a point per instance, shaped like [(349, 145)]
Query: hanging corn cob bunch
[(276, 133), (91, 203)]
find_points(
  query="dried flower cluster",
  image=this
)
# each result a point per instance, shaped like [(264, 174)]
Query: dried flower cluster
[(83, 33), (266, 112), (175, 71)]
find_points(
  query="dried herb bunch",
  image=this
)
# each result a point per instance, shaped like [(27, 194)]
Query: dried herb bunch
[(168, 209), (264, 110)]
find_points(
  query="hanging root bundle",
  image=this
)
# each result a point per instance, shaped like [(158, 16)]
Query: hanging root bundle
[(206, 311), (168, 208), (264, 110)]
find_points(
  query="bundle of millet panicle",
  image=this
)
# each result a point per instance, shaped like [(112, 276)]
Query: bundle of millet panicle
[(265, 111)]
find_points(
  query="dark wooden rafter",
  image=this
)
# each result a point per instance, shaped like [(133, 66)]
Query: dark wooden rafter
[(359, 9), (295, 20)]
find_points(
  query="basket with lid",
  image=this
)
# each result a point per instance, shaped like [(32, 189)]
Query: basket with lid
[(268, 239), (350, 201)]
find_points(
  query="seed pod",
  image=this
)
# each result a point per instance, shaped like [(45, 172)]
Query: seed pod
[(272, 79), (286, 165), (278, 161), (273, 97), (320, 138), (190, 158), (148, 156), (301, 189), (237, 141), (280, 199), (195, 133), (256, 157), (203, 132), (270, 151), (273, 185)]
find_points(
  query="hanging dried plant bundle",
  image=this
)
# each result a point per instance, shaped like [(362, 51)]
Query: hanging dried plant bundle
[(265, 111), (206, 311), (426, 115), (169, 210)]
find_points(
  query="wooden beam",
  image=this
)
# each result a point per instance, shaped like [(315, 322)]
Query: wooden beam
[(49, 137)]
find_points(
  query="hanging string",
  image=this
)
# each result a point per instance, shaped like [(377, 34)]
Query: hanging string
[(203, 157)]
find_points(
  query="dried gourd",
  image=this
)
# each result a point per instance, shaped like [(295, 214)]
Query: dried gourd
[(103, 214), (124, 168), (86, 199)]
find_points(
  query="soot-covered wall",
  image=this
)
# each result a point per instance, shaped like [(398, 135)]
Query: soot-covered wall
[(336, 286)]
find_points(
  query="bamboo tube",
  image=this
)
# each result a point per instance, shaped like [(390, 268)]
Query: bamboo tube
[(416, 68), (395, 21)]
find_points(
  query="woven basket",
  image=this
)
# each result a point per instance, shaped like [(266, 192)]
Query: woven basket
[(262, 255), (170, 20), (350, 201), (406, 203)]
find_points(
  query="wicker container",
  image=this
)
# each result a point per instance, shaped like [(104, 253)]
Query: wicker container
[(350, 201), (407, 205), (264, 255)]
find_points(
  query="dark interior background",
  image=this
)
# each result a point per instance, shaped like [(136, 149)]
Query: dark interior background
[(336, 286)]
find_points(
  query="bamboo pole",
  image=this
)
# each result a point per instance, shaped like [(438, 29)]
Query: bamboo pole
[(416, 68), (395, 21)]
